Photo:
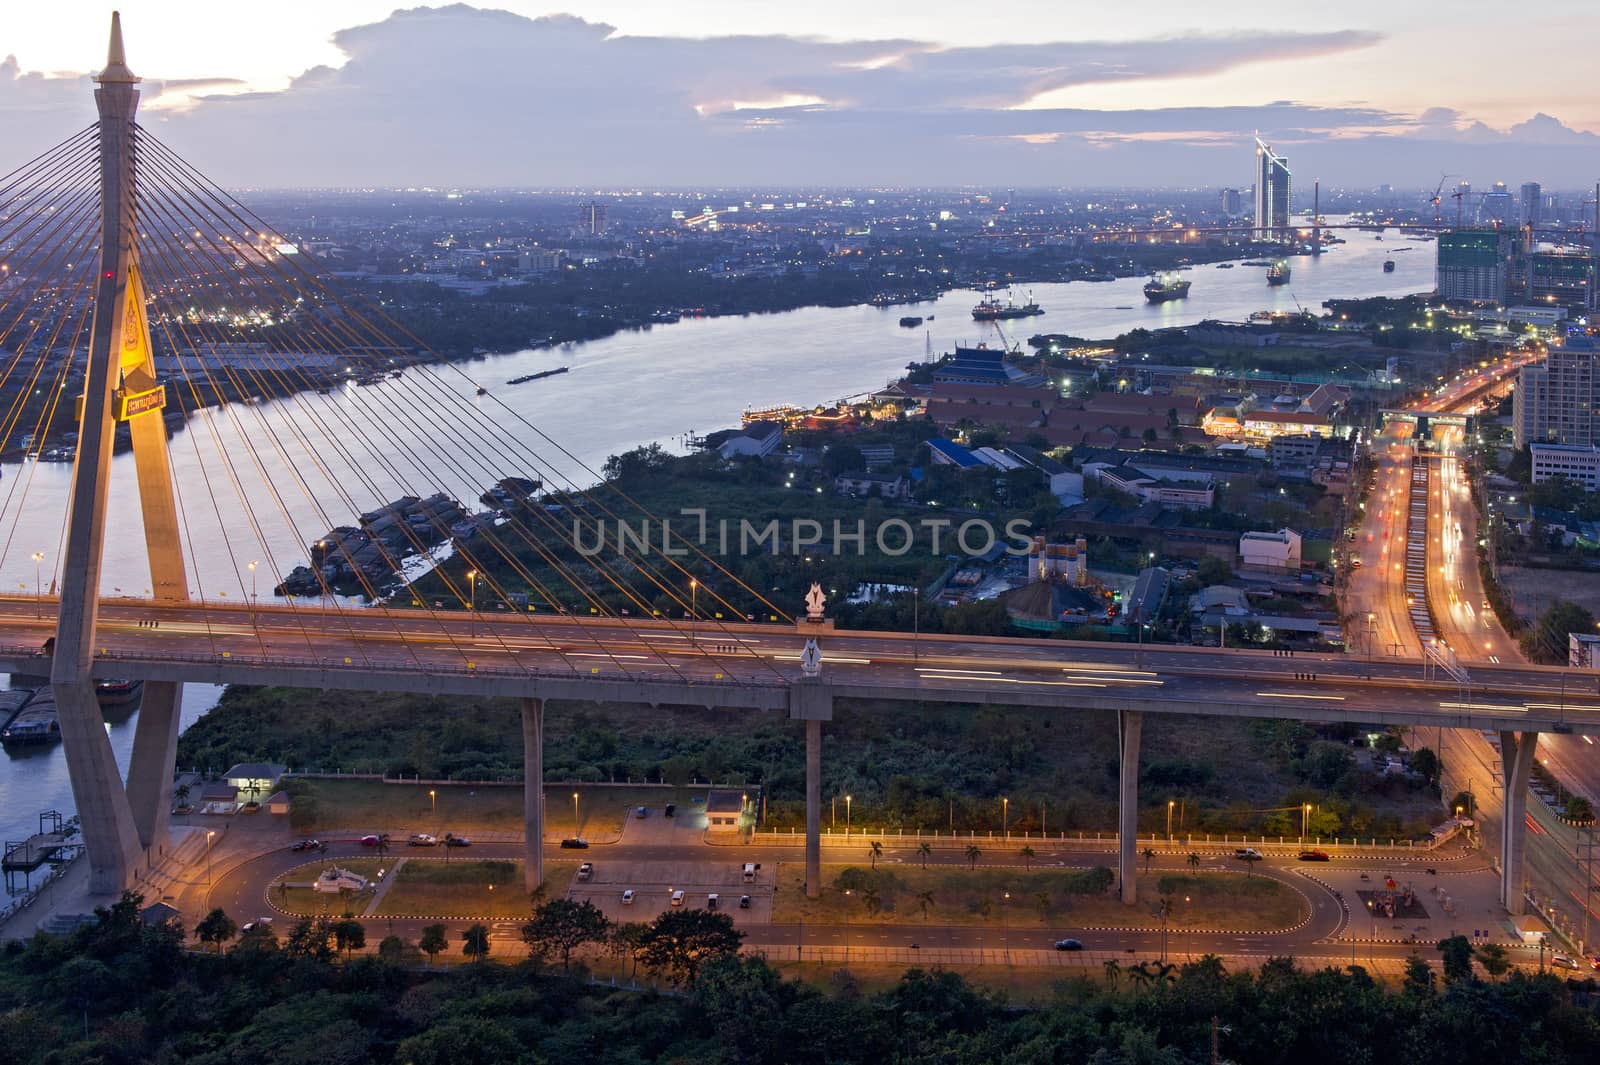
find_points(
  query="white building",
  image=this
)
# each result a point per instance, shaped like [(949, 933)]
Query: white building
[(1131, 481), (1572, 461), (1583, 651), (1270, 550), (753, 441)]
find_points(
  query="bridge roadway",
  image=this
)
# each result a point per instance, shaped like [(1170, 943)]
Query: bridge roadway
[(754, 666)]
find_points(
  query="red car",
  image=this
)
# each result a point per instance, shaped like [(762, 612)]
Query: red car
[(370, 841), (1314, 856)]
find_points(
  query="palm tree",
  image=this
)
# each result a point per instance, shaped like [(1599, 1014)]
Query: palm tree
[(1113, 972), (925, 899), (1141, 974), (383, 844), (1194, 860), (973, 854), (1149, 853), (874, 852), (475, 942), (1027, 856), (1042, 903), (870, 899), (923, 851), (1166, 972)]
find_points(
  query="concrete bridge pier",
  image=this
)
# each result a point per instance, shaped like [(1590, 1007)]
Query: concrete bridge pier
[(152, 766), (1516, 762), (1130, 725), (533, 793), (811, 701), (104, 817)]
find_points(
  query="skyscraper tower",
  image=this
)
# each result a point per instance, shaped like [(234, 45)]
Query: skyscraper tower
[(592, 219), (1532, 202), (1272, 194)]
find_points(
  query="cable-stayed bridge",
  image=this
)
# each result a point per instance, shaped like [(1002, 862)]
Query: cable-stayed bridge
[(132, 288)]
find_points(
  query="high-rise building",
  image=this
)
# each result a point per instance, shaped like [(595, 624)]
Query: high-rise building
[(592, 219), (1560, 278), (1471, 265), (1557, 402), (1272, 194), (1498, 206), (1532, 203), (1231, 205)]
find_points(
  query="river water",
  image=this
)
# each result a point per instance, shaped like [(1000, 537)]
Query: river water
[(258, 482)]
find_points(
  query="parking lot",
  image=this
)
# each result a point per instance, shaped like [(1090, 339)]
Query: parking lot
[(653, 883)]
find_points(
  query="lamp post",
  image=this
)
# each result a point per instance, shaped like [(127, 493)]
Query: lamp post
[(1305, 818), (847, 894), (38, 584), (694, 607), (1372, 619), (472, 601), (1005, 817), (210, 835), (1170, 804), (252, 566), (847, 815), (1372, 937), (433, 799), (1005, 930), (916, 621), (574, 813)]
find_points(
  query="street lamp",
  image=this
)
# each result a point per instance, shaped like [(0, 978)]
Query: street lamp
[(433, 798), (916, 621), (472, 609), (694, 608), (1005, 817), (38, 584), (210, 835), (1170, 804), (252, 567), (1305, 817), (1372, 619), (847, 815), (574, 813)]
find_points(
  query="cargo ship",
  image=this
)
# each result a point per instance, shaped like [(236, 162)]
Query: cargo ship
[(991, 310), (1278, 273), (525, 378), (1166, 287)]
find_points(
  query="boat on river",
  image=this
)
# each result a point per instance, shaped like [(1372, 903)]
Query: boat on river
[(525, 378), (1164, 288)]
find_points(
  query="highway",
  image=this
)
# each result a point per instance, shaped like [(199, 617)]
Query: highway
[(746, 665)]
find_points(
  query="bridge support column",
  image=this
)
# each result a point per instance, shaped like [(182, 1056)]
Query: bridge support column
[(811, 701), (1130, 725), (1516, 762), (152, 765), (533, 793), (109, 834)]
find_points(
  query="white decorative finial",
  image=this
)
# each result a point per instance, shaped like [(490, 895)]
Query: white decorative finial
[(811, 659), (116, 59), (814, 601)]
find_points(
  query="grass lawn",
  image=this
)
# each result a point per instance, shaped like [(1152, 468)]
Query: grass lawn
[(428, 887), (372, 805), (306, 900), (1041, 898)]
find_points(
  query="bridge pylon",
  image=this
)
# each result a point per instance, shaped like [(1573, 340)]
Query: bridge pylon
[(122, 828)]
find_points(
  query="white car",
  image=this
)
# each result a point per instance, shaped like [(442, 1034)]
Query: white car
[(1561, 961), (677, 898), (627, 897)]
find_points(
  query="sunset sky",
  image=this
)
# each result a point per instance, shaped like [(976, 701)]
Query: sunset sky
[(745, 91)]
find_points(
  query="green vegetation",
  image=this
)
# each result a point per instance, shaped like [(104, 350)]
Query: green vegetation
[(436, 887), (1056, 898), (120, 991), (1547, 641), (323, 805), (909, 767), (304, 899)]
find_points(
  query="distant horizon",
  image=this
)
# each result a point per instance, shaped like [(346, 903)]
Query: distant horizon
[(836, 96)]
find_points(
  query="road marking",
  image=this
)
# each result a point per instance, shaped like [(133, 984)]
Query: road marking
[(1297, 695)]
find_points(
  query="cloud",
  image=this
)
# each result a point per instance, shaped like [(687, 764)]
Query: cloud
[(462, 96)]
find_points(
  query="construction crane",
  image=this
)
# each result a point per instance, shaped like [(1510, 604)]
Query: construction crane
[(1436, 199), (1458, 195)]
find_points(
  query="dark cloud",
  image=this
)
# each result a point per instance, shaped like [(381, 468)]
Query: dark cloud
[(460, 96)]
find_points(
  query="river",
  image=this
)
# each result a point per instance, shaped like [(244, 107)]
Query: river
[(264, 503)]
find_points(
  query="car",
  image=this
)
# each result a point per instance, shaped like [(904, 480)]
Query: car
[(573, 844), (371, 841), (677, 898), (1246, 853), (421, 839), (711, 901), (641, 812), (586, 871), (1594, 962), (1068, 944), (1314, 856), (263, 923), (672, 809), (456, 841), (1561, 961), (1487, 605), (307, 845), (627, 897), (744, 902)]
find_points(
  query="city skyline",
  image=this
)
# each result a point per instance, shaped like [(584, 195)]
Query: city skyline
[(464, 96)]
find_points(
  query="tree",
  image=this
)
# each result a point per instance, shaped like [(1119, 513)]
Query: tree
[(349, 934), (1027, 856), (1548, 640), (874, 852), (973, 854), (1148, 854), (1425, 763), (1213, 570), (1457, 952), (680, 941), (1419, 978), (1113, 972), (925, 900), (1249, 860), (259, 939), (625, 941), (309, 939), (1043, 904), (924, 849), (1493, 958), (1579, 809), (561, 925), (475, 942), (842, 458), (871, 900), (392, 949), (1194, 860), (216, 927), (433, 941), (383, 844)]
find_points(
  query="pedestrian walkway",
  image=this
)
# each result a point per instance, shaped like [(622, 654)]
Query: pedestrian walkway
[(383, 888)]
